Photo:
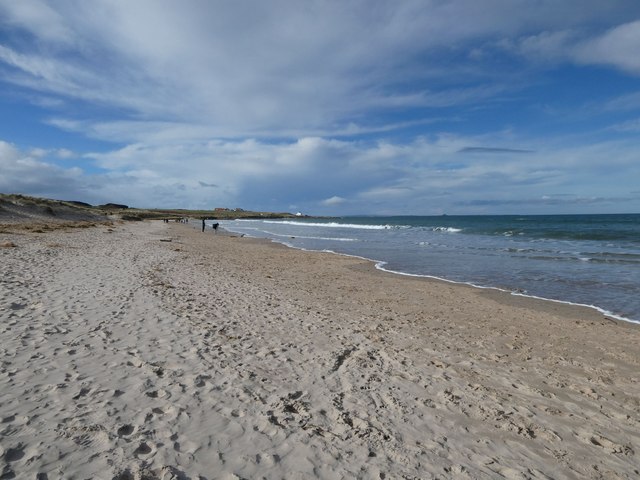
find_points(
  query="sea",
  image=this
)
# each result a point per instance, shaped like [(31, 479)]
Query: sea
[(591, 260)]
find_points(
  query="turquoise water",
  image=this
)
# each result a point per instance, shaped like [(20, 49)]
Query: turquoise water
[(584, 259)]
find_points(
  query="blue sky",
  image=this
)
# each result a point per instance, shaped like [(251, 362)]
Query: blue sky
[(325, 107)]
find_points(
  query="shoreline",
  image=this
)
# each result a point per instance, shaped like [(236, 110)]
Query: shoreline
[(152, 350), (533, 302), (379, 264), (602, 311)]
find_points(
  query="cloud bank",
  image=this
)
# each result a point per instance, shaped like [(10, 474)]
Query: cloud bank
[(357, 107)]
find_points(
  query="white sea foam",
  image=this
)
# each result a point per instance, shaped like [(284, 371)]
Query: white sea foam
[(446, 229), (335, 225), (380, 266), (289, 236), (333, 239)]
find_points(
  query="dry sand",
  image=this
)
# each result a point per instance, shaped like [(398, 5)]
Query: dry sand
[(152, 350)]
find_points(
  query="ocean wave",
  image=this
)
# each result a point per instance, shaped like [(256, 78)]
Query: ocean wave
[(337, 225), (305, 237), (633, 257), (330, 239), (521, 250), (582, 258), (615, 261), (446, 229)]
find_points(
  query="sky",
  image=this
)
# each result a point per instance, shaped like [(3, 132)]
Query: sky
[(335, 107)]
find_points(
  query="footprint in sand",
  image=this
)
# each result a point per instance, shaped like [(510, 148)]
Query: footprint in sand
[(608, 445), (8, 419), (83, 392), (13, 454), (157, 393), (144, 451), (125, 475), (267, 460), (125, 430)]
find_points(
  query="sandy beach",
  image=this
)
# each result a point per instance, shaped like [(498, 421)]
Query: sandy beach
[(150, 350)]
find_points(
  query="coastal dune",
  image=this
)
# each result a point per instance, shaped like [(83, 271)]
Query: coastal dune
[(153, 350)]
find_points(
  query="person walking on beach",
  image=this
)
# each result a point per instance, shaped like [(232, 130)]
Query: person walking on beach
[(203, 224)]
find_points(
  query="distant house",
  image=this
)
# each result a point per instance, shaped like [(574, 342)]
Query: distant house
[(221, 209)]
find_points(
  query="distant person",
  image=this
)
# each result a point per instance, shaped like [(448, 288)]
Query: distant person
[(215, 227), (203, 225)]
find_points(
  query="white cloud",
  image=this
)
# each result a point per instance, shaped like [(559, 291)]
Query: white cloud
[(628, 126), (546, 46), (625, 102), (8, 152), (618, 47), (428, 175), (28, 173), (39, 18), (333, 201), (64, 153), (256, 69)]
